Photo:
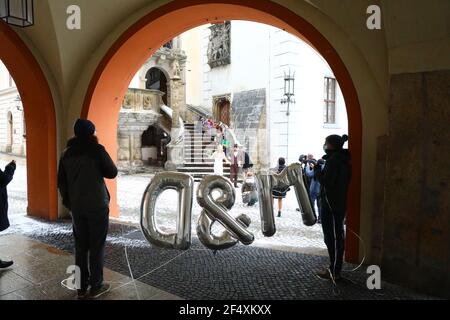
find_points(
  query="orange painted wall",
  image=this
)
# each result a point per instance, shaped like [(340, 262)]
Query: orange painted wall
[(110, 81), (40, 123)]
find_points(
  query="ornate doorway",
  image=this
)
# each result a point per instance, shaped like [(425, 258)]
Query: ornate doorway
[(222, 109)]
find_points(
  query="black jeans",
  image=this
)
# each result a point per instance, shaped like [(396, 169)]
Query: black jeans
[(90, 229), (334, 236)]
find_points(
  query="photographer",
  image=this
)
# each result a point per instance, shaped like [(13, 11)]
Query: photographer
[(334, 180), (312, 171)]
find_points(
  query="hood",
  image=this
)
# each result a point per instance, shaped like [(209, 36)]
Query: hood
[(76, 141), (342, 155)]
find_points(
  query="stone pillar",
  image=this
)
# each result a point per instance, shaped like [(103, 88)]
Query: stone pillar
[(416, 246), (174, 149)]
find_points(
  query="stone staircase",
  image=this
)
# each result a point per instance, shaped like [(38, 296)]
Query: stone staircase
[(197, 151)]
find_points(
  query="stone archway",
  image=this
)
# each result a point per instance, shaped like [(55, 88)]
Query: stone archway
[(40, 117), (131, 50)]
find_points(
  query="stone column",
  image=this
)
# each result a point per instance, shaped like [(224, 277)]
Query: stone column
[(174, 149)]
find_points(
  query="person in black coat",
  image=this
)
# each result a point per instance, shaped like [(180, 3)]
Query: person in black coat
[(280, 193), (5, 178), (82, 169), (334, 180)]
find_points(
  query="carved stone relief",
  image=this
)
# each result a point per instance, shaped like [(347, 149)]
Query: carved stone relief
[(219, 47)]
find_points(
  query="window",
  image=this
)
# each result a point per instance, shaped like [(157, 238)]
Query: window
[(329, 110), (168, 45), (10, 80)]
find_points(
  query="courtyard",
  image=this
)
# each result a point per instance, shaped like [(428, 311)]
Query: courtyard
[(281, 267)]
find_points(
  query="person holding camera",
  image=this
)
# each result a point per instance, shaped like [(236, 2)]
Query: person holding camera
[(312, 170), (334, 180), (5, 178)]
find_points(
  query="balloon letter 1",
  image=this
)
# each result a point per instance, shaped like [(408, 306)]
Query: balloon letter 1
[(184, 185)]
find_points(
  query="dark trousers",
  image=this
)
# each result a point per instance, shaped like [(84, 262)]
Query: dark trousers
[(234, 171), (315, 198), (334, 236), (90, 230)]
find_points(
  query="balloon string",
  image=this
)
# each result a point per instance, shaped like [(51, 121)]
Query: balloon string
[(129, 269), (333, 280), (364, 251)]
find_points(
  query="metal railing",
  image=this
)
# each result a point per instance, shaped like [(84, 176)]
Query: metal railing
[(203, 112)]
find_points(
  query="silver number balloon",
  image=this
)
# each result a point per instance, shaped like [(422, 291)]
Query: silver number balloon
[(296, 178), (184, 185), (264, 181), (217, 210), (223, 241), (291, 176)]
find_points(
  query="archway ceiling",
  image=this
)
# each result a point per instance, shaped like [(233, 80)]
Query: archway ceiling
[(66, 53)]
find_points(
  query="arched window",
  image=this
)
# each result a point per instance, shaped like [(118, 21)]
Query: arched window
[(156, 79)]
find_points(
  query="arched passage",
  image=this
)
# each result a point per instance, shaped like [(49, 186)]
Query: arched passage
[(156, 79), (41, 123), (143, 38)]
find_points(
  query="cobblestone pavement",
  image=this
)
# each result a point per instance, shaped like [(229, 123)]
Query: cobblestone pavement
[(237, 273), (242, 272)]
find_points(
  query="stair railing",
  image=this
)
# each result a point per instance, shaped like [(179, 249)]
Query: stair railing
[(203, 112), (175, 148)]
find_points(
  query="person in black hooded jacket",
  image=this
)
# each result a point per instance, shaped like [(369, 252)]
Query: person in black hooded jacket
[(82, 169), (5, 178), (334, 179)]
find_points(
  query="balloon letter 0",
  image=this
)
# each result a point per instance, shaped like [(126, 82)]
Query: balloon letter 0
[(217, 210), (291, 176), (184, 184)]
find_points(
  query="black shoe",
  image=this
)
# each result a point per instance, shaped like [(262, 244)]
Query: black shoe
[(99, 291), (5, 264), (326, 275), (279, 214), (82, 294)]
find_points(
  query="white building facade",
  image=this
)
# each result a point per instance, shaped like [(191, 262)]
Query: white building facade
[(12, 123), (253, 82)]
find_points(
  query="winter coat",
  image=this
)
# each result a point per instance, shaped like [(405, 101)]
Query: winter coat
[(280, 193), (5, 178), (247, 162), (314, 188), (82, 169), (334, 180)]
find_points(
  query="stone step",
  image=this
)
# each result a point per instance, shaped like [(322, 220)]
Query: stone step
[(198, 164), (198, 160), (198, 178), (198, 157), (202, 170)]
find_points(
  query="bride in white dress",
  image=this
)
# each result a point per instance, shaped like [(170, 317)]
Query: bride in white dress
[(219, 156)]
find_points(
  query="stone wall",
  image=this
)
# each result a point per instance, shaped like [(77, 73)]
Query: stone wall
[(416, 245), (131, 126), (248, 116)]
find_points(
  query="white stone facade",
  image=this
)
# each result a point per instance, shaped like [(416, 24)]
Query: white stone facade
[(260, 55), (12, 124)]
